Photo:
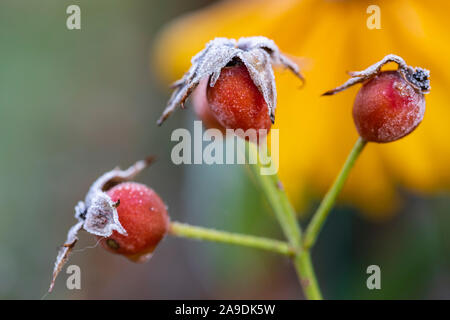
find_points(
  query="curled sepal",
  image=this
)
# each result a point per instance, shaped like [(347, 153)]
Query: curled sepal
[(102, 217), (64, 251), (417, 77), (98, 213), (256, 53)]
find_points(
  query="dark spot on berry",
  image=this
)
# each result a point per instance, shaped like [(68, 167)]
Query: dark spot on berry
[(112, 244)]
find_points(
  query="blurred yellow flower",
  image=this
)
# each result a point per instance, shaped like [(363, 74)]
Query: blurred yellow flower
[(316, 133)]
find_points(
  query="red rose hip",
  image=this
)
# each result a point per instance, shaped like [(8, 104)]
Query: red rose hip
[(143, 215), (237, 97), (387, 108), (202, 108), (236, 102)]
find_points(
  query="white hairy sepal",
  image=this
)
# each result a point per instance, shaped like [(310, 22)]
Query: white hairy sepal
[(256, 53), (417, 77)]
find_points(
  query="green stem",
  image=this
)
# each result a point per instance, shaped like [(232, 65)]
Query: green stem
[(305, 270), (285, 213), (274, 191), (328, 201), (187, 231)]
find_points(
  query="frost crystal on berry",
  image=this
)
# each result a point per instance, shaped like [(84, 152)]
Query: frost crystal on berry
[(256, 53), (97, 214), (417, 77)]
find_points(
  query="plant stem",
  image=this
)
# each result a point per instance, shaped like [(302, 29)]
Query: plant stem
[(187, 231), (328, 201), (305, 271), (274, 191), (287, 218)]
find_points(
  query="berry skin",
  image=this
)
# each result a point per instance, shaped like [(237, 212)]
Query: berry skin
[(202, 109), (387, 108), (143, 215), (236, 102)]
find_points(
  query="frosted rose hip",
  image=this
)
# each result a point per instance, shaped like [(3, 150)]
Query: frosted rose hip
[(143, 215), (390, 104), (202, 108), (142, 212), (387, 108), (236, 102), (258, 54)]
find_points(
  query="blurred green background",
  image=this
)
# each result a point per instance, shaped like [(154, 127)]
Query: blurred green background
[(74, 104)]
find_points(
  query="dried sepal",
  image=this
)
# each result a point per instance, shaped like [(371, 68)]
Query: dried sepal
[(417, 77), (99, 211), (64, 251), (258, 54), (102, 217), (97, 214)]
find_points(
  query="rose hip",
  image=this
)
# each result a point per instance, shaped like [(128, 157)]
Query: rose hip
[(387, 108), (143, 215), (236, 102), (202, 108)]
